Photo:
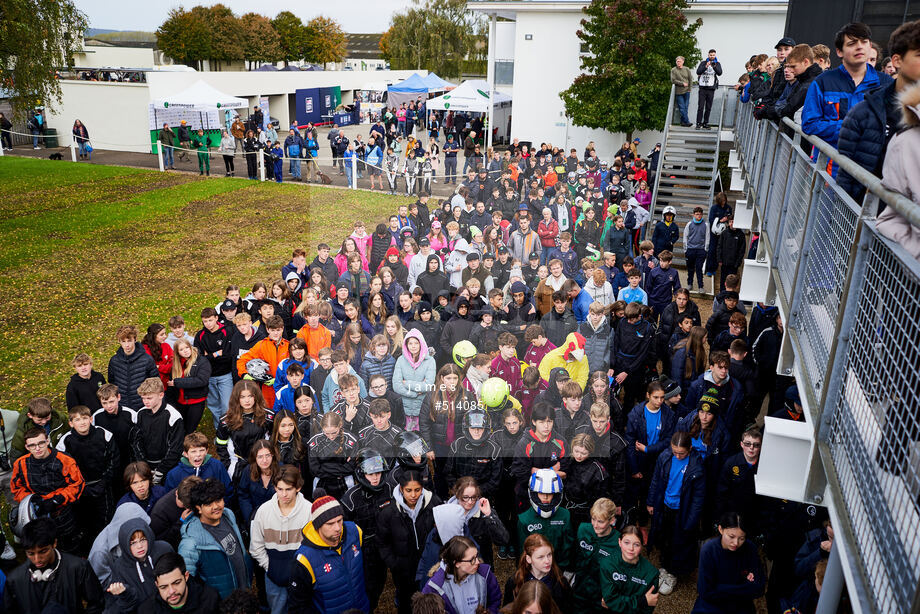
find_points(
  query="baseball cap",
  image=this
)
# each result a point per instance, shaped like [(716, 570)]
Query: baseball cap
[(227, 305), (423, 242), (785, 42)]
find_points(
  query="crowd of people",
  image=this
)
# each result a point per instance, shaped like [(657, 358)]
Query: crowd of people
[(511, 373)]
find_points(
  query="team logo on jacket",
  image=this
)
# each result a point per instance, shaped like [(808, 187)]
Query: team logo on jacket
[(534, 527), (736, 470), (354, 549), (327, 568)]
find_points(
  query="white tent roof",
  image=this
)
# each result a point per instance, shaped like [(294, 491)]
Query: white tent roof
[(472, 95), (200, 97), (375, 86)]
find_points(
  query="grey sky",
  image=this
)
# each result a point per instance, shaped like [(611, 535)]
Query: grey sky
[(147, 15)]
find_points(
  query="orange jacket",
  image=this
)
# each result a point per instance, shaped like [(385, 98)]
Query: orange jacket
[(270, 353), (316, 339), (21, 486)]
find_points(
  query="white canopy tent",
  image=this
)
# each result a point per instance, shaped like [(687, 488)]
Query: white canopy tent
[(200, 97), (471, 96)]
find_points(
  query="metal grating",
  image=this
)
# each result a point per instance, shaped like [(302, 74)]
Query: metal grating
[(876, 426), (834, 219), (773, 210), (791, 238)]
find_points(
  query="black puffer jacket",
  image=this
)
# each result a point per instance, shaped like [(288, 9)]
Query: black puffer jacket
[(482, 462), (363, 506), (129, 371), (732, 247), (137, 576), (401, 540)]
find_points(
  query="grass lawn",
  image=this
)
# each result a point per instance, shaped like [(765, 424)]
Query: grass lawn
[(85, 248)]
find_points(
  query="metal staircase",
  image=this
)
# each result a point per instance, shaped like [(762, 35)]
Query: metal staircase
[(688, 168)]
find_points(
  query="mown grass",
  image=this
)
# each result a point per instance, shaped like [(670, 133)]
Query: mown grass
[(85, 248)]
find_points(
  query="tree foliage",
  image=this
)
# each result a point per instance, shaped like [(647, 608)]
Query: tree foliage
[(326, 41), (631, 46), (36, 37), (226, 34), (185, 36), (293, 36), (438, 35), (261, 42)]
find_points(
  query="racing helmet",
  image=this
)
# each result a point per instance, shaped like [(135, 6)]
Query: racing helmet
[(409, 444), (495, 391), (476, 419), (463, 351), (669, 209), (23, 514), (368, 461), (258, 370), (545, 481)]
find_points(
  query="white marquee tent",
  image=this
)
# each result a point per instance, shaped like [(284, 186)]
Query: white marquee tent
[(200, 97), (471, 96)]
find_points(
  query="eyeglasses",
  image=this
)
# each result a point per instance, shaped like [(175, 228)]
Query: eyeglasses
[(37, 446), (751, 444), (465, 498), (140, 540), (475, 559), (378, 387)]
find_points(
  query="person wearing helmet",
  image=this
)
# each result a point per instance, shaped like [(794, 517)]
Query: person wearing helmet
[(475, 454), (463, 351), (411, 454), (546, 515), (362, 504), (495, 396), (666, 232), (272, 350)]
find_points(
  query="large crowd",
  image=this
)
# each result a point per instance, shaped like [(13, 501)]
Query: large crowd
[(514, 372)]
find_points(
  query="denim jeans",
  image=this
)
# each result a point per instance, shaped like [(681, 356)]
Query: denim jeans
[(219, 389), (348, 172), (168, 157), (277, 596), (35, 134), (82, 145), (683, 102), (294, 168)]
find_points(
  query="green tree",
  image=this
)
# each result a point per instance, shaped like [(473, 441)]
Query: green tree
[(631, 46), (325, 41), (440, 35), (36, 37), (226, 35), (292, 34), (261, 42), (185, 36)]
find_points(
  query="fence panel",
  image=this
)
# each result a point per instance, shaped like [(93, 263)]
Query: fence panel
[(790, 241), (773, 199), (876, 423)]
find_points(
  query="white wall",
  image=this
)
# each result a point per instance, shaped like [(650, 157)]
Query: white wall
[(547, 65), (114, 57), (115, 114), (504, 39), (738, 36)]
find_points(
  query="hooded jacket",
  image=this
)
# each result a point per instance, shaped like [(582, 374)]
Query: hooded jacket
[(831, 96), (900, 174), (371, 366), (207, 560), (402, 534), (106, 545), (210, 468), (449, 521), (636, 431), (432, 283), (136, 575), (570, 356), (481, 587), (558, 326), (630, 345), (411, 379), (597, 344), (129, 371)]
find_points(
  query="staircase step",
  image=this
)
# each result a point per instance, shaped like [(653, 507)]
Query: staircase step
[(669, 172), (667, 181)]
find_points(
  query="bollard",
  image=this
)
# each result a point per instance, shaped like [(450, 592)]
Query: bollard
[(160, 155), (73, 151), (354, 172)]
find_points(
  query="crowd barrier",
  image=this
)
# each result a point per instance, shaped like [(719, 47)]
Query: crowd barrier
[(851, 303)]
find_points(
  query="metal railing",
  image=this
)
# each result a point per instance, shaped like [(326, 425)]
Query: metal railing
[(850, 297)]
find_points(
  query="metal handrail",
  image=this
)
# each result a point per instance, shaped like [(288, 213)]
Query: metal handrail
[(664, 146)]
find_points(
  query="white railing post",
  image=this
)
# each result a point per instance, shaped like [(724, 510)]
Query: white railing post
[(160, 154), (354, 172), (261, 166), (1, 148), (73, 150)]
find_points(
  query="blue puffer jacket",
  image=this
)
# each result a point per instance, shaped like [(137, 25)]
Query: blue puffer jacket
[(327, 579), (831, 96), (210, 468), (206, 560), (863, 135)]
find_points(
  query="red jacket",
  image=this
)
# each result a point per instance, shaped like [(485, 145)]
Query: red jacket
[(548, 233), (510, 371), (164, 366)]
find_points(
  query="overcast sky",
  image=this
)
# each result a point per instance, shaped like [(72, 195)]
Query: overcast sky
[(146, 15)]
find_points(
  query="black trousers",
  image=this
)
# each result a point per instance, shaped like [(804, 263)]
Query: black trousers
[(704, 105), (252, 164)]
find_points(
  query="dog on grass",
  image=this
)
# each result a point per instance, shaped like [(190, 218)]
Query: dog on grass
[(324, 178), (55, 156)]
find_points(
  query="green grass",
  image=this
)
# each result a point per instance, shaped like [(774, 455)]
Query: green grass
[(86, 248)]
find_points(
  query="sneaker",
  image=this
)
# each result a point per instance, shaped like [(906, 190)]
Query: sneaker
[(8, 553), (36, 148), (667, 582)]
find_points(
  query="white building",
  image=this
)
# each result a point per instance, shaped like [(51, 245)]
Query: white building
[(537, 55)]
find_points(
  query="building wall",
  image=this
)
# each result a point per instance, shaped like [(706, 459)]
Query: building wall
[(115, 57), (549, 62), (115, 114)]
